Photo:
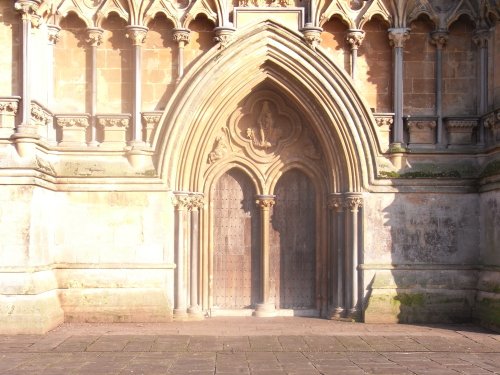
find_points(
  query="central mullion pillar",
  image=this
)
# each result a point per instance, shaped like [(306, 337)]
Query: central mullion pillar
[(181, 203), (352, 205), (266, 308)]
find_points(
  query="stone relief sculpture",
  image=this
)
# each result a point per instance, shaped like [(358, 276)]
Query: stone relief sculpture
[(267, 134), (219, 150), (264, 3)]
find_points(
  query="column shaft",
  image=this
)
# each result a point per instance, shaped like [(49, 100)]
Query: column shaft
[(351, 255), (94, 39), (181, 36), (196, 205), (265, 202), (336, 204), (397, 38), (439, 38), (137, 34), (181, 202)]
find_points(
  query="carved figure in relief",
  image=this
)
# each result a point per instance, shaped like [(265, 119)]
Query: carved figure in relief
[(265, 127), (219, 151)]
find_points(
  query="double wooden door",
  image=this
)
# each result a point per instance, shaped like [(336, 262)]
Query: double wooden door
[(237, 246)]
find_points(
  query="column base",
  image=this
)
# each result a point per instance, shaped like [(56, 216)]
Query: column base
[(180, 314), (265, 310), (353, 314), (337, 313), (195, 313)]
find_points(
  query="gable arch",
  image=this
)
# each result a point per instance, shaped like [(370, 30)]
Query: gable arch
[(222, 78)]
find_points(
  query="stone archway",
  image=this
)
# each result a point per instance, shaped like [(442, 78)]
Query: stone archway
[(218, 120)]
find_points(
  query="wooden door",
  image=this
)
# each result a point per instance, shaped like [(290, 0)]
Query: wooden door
[(236, 242), (293, 242)]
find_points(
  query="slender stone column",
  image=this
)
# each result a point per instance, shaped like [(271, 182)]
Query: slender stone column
[(137, 35), (26, 132), (481, 38), (94, 38), (266, 308), (397, 38), (53, 38), (181, 37), (336, 204), (354, 39), (352, 205), (181, 203), (196, 205), (439, 38)]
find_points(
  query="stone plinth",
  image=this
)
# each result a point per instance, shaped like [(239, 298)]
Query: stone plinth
[(114, 130), (460, 130), (73, 129), (421, 131)]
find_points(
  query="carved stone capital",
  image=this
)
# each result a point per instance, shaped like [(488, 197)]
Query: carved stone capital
[(439, 38), (398, 36), (490, 121), (181, 36), (53, 33), (223, 36), (353, 203), (72, 121), (481, 38), (336, 202), (94, 36), (355, 38), (312, 35), (197, 201), (265, 201), (114, 121), (151, 120), (28, 9), (421, 124), (137, 34), (40, 115), (9, 105), (181, 201), (384, 121)]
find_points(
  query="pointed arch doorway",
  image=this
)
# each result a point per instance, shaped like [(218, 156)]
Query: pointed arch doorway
[(211, 125), (272, 255)]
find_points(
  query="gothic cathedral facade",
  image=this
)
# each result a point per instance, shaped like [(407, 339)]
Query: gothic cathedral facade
[(180, 159)]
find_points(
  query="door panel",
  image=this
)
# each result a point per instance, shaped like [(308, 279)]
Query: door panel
[(236, 242), (293, 242)]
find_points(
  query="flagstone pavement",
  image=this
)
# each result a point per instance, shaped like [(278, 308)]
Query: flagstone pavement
[(257, 346)]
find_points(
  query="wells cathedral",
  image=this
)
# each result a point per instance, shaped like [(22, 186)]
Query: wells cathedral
[(181, 159)]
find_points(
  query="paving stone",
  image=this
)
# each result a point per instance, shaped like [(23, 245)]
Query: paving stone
[(309, 346)]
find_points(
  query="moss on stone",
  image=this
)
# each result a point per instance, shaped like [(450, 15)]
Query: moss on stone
[(491, 169), (413, 299), (421, 174), (489, 311)]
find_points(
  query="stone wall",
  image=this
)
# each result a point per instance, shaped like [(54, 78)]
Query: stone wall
[(10, 42), (488, 297), (84, 257), (418, 263)]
